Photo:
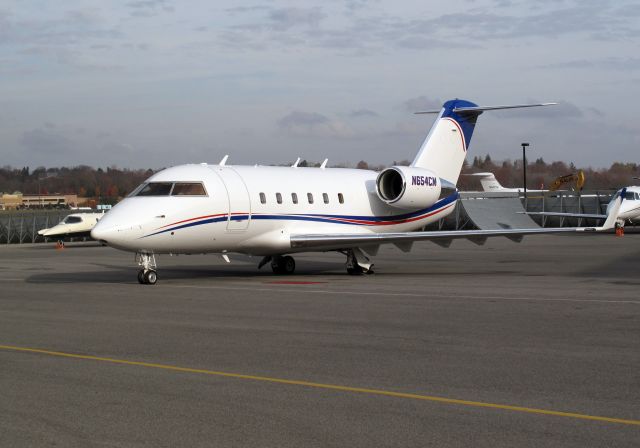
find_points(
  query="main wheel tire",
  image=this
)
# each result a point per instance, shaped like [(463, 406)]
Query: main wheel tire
[(141, 277), (151, 277), (288, 265), (355, 270), (276, 268)]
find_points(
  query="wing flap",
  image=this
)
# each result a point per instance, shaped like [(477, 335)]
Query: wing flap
[(566, 215)]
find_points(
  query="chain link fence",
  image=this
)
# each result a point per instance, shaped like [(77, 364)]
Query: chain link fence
[(20, 227)]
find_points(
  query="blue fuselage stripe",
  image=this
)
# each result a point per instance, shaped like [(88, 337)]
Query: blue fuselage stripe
[(333, 219)]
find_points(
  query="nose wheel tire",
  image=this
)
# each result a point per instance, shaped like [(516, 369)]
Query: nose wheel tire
[(149, 277), (283, 265)]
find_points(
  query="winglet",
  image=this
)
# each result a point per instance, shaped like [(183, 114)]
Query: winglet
[(324, 164), (612, 218), (295, 165), (223, 162)]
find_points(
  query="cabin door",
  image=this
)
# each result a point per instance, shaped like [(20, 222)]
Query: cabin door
[(239, 202)]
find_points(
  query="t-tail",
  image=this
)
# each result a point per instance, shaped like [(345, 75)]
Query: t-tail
[(446, 145)]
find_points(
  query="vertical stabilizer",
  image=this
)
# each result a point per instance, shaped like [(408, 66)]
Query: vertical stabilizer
[(445, 147)]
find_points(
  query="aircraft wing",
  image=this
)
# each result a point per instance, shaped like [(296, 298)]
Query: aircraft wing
[(566, 215), (348, 240), (404, 239)]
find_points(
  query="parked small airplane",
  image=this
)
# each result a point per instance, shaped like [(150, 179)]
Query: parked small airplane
[(76, 225), (276, 211), (629, 210)]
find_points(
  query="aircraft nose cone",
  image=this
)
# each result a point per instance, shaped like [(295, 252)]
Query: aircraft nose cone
[(101, 233)]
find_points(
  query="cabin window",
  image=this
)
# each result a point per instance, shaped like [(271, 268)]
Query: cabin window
[(263, 198), (72, 220), (278, 198), (325, 198), (156, 189), (310, 198), (294, 198), (188, 189), (340, 198)]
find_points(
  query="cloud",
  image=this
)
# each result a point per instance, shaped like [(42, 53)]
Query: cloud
[(46, 142), (312, 124), (609, 63), (597, 20), (286, 18), (363, 113), (63, 38), (422, 103), (149, 8), (299, 118), (246, 9)]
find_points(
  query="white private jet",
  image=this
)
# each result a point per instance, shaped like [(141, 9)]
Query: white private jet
[(276, 211), (629, 209), (75, 225)]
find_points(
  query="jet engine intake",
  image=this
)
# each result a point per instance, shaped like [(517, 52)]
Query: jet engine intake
[(407, 187)]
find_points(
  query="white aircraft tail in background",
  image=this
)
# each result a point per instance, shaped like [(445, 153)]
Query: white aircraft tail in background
[(489, 182), (277, 211)]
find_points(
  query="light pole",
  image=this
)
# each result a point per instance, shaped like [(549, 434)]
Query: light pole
[(524, 168)]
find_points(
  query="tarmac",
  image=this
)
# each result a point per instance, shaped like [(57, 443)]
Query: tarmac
[(531, 344)]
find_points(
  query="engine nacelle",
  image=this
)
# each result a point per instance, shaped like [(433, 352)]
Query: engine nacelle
[(408, 188)]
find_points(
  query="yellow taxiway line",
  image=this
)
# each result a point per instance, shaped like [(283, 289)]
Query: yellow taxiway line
[(380, 392)]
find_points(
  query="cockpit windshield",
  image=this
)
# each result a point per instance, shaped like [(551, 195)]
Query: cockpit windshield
[(170, 189), (156, 189), (630, 196), (188, 189), (72, 220)]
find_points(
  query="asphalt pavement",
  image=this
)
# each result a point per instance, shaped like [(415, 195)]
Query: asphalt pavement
[(531, 344)]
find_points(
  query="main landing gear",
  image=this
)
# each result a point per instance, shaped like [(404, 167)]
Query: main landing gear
[(357, 262), (147, 275), (282, 265)]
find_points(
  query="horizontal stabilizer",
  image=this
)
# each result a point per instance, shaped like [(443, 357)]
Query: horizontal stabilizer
[(480, 109)]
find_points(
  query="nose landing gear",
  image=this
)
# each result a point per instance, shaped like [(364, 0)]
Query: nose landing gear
[(147, 275)]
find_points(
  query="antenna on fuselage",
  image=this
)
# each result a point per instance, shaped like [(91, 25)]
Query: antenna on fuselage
[(223, 162), (324, 164), (295, 165)]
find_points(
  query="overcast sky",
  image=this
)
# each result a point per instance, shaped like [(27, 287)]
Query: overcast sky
[(152, 83)]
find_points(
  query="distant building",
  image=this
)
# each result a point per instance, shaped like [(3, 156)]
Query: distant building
[(18, 200), (10, 201)]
